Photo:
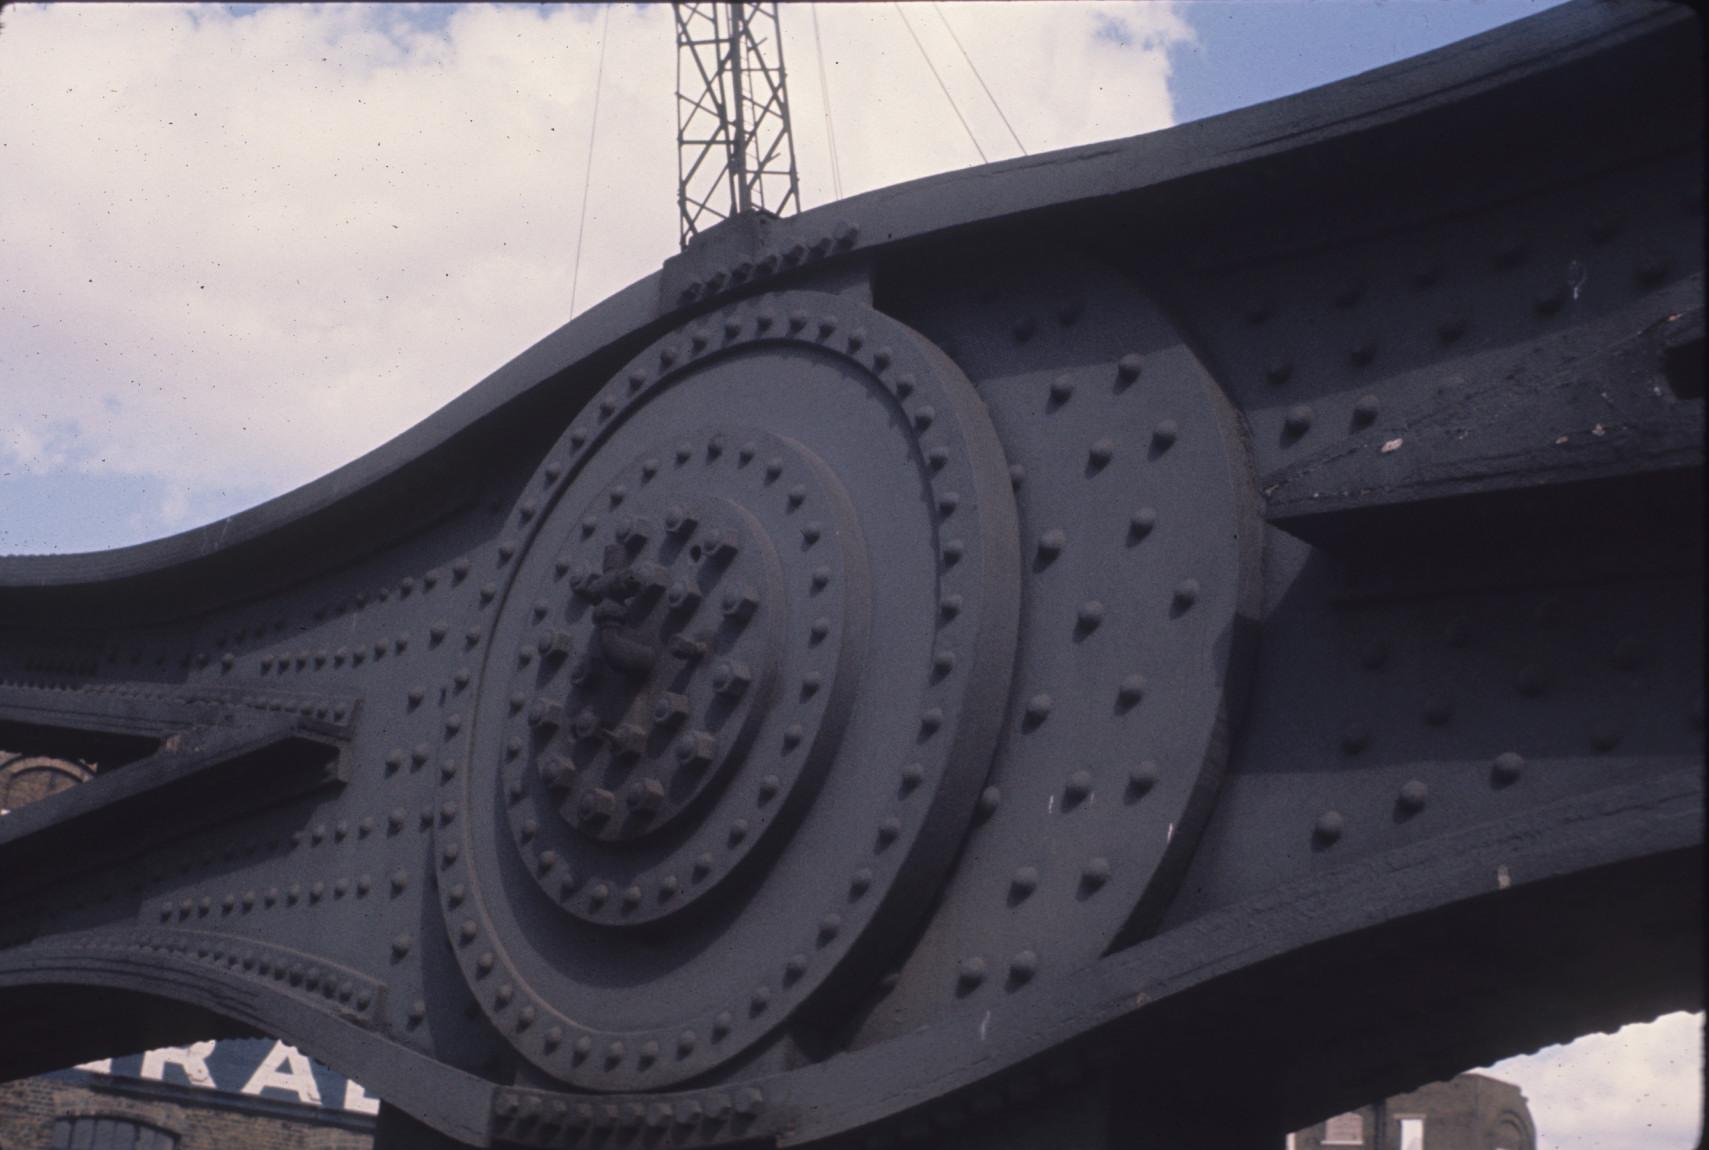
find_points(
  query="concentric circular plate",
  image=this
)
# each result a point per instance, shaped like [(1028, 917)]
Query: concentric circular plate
[(742, 684)]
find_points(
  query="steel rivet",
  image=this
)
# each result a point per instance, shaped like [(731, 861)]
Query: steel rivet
[(1297, 421), (1022, 967), (1023, 882), (1095, 873), (1079, 786), (1413, 795), (1037, 709)]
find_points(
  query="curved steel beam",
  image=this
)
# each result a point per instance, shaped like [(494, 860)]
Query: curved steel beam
[(1012, 656)]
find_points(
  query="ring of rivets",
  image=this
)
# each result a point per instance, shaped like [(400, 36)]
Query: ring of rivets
[(632, 781), (950, 459)]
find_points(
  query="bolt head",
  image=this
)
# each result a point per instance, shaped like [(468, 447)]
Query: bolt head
[(596, 806), (696, 749), (670, 709), (645, 796)]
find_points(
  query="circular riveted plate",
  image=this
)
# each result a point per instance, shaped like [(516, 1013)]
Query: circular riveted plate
[(743, 682)]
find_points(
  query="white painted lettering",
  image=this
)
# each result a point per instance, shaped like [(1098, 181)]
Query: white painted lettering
[(285, 1068), (358, 1099), (192, 1060)]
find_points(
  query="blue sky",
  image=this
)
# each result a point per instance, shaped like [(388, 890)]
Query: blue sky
[(1250, 52)]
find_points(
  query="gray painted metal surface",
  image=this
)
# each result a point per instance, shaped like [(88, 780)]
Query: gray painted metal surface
[(1025, 655)]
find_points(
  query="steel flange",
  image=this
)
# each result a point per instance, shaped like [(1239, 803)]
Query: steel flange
[(667, 829)]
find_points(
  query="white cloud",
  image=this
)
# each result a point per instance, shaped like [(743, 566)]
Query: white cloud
[(238, 251), (1640, 1088)]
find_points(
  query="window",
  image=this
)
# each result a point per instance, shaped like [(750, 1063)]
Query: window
[(1345, 1130), (92, 1132), (1412, 1134)]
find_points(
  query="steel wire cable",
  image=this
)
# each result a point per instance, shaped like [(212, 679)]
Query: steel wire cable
[(825, 98), (938, 8), (592, 137), (941, 85)]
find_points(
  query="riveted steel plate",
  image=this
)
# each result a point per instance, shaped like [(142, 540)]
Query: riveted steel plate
[(755, 619), (781, 732), (1140, 546)]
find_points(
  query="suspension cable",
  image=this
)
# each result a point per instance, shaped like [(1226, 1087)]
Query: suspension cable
[(587, 174), (941, 84), (825, 98), (938, 8)]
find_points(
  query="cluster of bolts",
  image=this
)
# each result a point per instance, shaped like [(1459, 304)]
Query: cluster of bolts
[(842, 237)]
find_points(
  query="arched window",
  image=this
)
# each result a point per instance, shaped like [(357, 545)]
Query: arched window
[(98, 1132), (26, 778)]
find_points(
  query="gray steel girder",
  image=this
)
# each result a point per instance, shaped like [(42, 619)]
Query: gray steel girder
[(1031, 653)]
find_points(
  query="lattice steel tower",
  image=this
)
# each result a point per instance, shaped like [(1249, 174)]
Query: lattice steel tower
[(735, 151)]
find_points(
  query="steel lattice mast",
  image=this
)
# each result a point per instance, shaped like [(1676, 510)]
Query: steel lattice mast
[(735, 150)]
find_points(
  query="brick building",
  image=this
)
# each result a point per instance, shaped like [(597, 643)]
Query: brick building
[(239, 1094), (1471, 1112)]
